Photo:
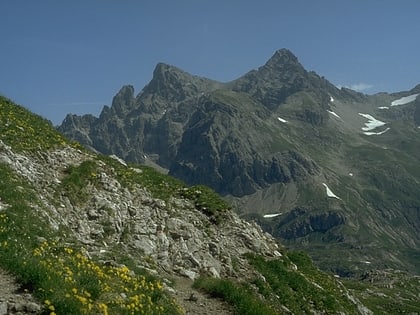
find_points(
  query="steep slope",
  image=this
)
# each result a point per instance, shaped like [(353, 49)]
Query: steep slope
[(89, 234), (282, 141)]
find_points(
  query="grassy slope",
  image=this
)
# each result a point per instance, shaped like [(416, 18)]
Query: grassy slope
[(53, 267), (68, 282)]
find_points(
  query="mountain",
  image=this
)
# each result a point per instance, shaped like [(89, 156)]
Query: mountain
[(331, 171), (85, 233)]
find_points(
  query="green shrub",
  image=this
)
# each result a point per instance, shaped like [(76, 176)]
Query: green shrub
[(238, 295), (62, 277), (300, 290), (77, 178)]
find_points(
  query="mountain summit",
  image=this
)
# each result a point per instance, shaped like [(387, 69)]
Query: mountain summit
[(327, 170), (89, 234), (280, 77)]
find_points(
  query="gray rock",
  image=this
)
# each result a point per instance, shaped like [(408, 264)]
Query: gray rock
[(188, 273), (3, 308), (32, 307)]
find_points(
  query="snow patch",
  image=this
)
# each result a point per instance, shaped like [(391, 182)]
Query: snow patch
[(331, 99), (333, 113), (330, 193), (282, 120), (404, 100), (351, 174), (372, 123), (273, 215), (366, 262), (370, 133), (383, 107)]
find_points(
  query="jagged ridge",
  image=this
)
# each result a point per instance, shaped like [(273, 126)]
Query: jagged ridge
[(109, 212), (270, 140)]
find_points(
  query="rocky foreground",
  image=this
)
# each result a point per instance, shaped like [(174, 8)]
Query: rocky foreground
[(176, 237), (87, 234)]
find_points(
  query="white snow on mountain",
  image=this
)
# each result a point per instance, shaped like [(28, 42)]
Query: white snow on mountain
[(273, 215), (330, 193), (404, 100), (333, 113), (370, 133), (331, 99), (282, 120), (372, 123), (383, 107)]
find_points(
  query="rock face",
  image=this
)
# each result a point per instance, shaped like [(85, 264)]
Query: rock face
[(14, 302), (268, 141), (174, 234), (193, 126), (110, 214), (281, 77), (300, 223)]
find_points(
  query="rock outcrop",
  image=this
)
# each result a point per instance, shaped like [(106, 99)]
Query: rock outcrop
[(268, 140), (176, 236), (193, 126)]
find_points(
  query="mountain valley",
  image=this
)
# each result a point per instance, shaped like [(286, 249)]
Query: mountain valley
[(276, 193), (331, 171)]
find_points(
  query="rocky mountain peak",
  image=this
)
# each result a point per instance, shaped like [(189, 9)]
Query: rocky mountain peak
[(174, 84), (281, 76), (163, 70), (124, 100), (282, 58)]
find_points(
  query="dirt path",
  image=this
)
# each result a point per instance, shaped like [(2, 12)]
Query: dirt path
[(12, 301), (196, 302)]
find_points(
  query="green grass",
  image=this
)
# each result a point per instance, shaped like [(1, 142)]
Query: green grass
[(166, 187), (241, 297), (61, 276), (307, 283), (233, 101), (48, 263), (395, 293), (77, 178), (282, 287), (25, 131)]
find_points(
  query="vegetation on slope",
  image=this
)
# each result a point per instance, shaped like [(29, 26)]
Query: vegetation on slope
[(25, 131), (59, 272), (53, 268), (290, 284), (61, 275), (165, 187), (387, 291)]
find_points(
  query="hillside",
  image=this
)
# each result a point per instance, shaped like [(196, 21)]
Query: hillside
[(330, 171), (90, 234)]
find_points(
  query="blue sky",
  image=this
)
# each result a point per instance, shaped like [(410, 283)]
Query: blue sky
[(59, 57)]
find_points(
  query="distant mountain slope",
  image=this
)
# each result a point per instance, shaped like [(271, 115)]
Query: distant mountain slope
[(275, 141), (88, 234)]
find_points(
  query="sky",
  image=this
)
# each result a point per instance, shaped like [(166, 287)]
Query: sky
[(59, 57)]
